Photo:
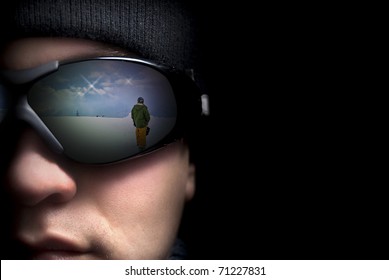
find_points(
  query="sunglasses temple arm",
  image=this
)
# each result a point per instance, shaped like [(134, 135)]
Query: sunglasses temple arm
[(24, 112)]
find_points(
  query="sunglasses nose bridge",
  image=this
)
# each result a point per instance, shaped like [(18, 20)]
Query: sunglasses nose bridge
[(25, 113)]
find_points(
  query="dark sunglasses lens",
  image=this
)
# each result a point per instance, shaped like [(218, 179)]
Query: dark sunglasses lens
[(87, 106)]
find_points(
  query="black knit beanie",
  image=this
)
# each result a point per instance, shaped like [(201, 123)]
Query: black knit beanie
[(161, 30)]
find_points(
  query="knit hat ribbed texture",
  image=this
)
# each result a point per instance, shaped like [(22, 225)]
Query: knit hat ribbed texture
[(161, 30)]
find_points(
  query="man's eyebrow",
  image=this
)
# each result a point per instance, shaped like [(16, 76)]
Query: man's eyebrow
[(114, 51), (102, 50)]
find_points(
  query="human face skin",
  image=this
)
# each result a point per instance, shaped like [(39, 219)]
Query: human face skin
[(67, 210)]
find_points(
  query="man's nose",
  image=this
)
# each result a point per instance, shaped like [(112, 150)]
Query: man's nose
[(35, 174)]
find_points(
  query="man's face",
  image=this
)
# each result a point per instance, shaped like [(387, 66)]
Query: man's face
[(66, 210)]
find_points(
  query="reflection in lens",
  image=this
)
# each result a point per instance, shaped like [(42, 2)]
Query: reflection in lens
[(3, 102), (87, 106)]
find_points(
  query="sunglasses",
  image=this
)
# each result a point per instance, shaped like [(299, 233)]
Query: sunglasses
[(83, 108)]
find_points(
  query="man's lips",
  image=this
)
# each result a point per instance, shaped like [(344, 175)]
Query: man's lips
[(58, 255), (55, 249), (55, 255)]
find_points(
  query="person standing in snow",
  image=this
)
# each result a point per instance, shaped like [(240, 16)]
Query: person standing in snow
[(141, 117)]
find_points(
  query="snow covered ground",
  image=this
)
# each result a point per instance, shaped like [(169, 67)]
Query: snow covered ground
[(111, 137)]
